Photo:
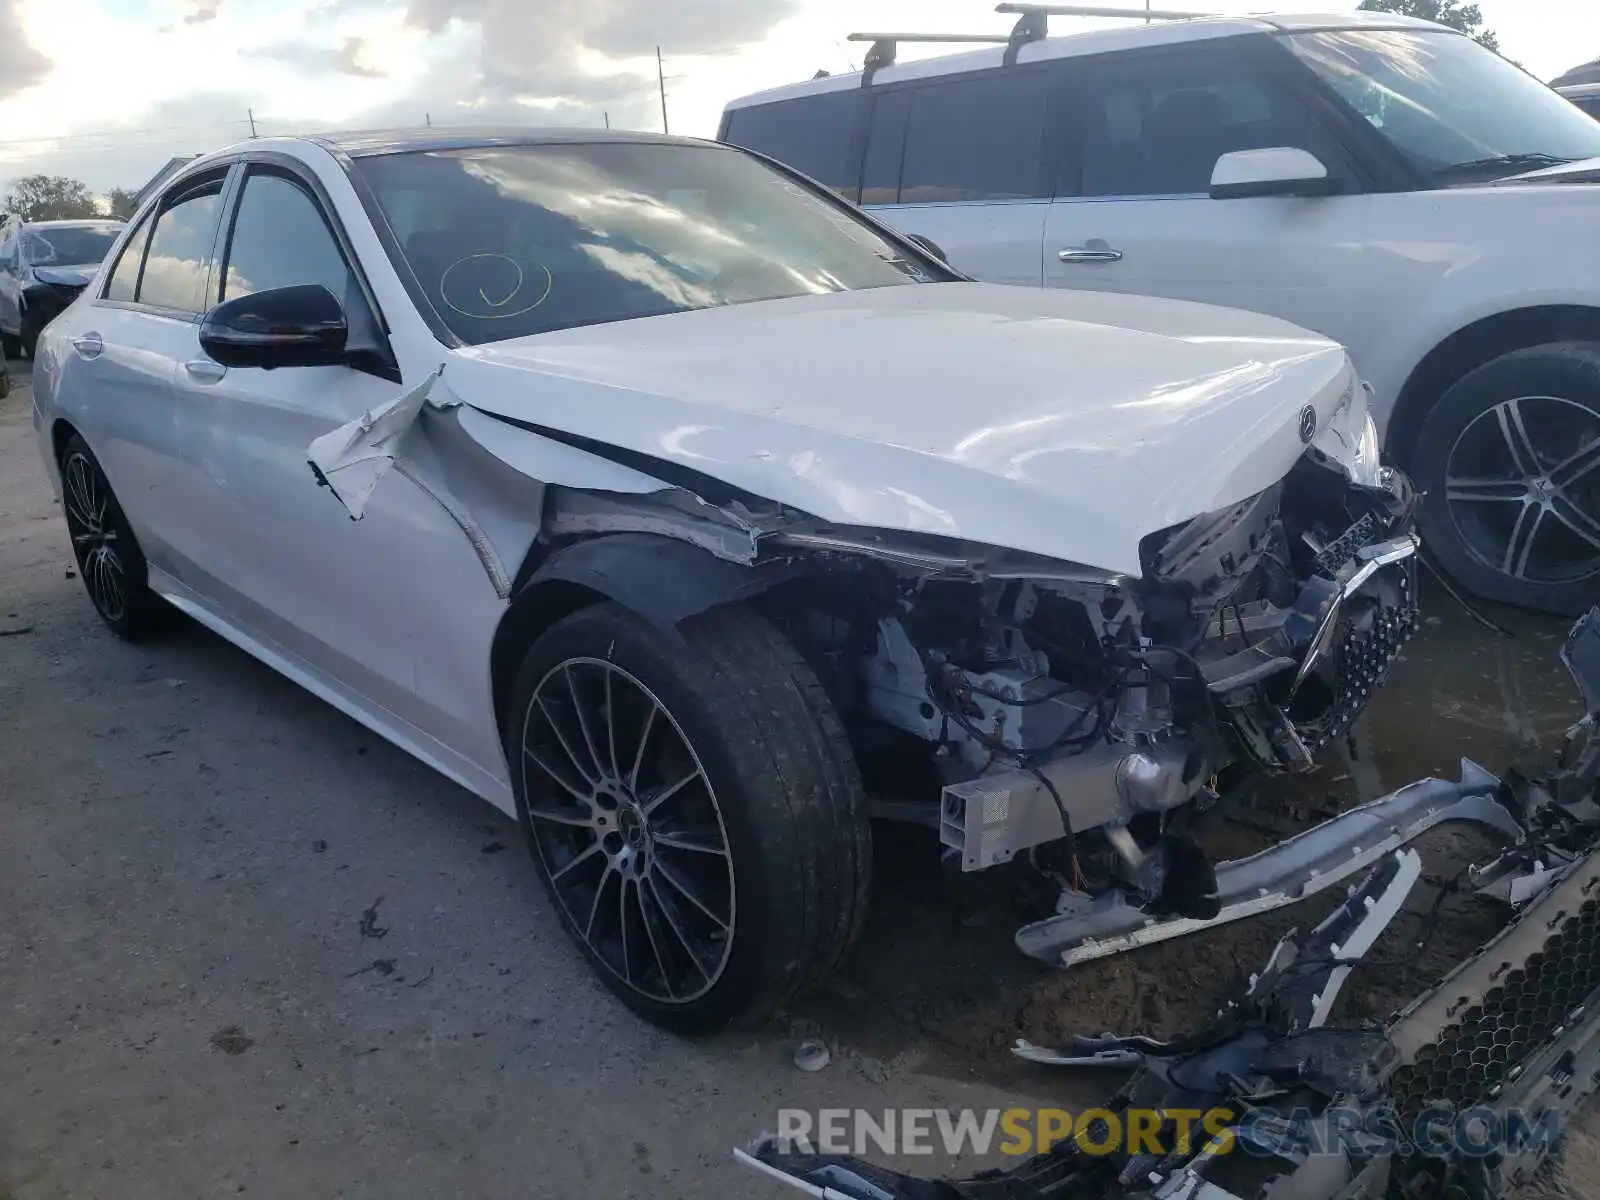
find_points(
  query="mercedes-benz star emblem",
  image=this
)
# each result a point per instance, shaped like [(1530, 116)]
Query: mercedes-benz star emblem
[(1308, 424)]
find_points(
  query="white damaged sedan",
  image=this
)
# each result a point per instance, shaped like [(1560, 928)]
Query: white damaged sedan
[(660, 498)]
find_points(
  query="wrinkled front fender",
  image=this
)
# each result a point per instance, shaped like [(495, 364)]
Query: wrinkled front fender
[(663, 580)]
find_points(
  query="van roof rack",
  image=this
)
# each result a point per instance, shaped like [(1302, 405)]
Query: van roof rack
[(1033, 25)]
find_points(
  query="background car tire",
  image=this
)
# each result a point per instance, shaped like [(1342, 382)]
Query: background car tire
[(110, 563), (781, 776), (31, 329), (1510, 461), (10, 345)]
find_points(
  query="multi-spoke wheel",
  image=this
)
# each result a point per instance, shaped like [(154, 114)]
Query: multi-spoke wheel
[(1511, 461), (693, 808), (109, 559)]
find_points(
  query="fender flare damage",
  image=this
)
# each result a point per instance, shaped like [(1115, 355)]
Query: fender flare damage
[(662, 579)]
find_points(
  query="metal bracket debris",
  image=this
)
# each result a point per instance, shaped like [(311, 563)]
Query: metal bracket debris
[(1295, 870)]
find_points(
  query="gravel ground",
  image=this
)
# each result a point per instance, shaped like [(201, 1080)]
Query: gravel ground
[(247, 947)]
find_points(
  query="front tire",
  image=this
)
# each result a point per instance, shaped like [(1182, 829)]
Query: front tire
[(693, 809), (1510, 461), (110, 562)]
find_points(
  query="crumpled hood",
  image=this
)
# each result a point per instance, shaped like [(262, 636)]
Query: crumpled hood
[(69, 276), (1066, 424)]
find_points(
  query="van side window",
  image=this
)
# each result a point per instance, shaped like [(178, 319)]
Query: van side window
[(886, 147), (1155, 124), (812, 134), (978, 138)]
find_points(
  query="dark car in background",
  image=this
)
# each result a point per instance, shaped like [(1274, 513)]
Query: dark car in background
[(43, 267)]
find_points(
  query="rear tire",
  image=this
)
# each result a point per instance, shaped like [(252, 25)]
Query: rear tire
[(110, 562), (716, 865), (1510, 461)]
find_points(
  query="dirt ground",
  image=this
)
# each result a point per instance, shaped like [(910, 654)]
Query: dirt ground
[(247, 947)]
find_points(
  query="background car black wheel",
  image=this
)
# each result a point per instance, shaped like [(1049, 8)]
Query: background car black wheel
[(10, 345), (1510, 461), (694, 810), (109, 559), (32, 327)]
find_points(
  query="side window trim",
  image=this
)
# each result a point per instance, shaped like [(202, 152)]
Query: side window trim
[(131, 245)]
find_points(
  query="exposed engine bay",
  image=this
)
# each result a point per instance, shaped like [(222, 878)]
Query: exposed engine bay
[(1084, 719), (1463, 1093)]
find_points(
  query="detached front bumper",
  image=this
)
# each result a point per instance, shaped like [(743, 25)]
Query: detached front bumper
[(1462, 1095)]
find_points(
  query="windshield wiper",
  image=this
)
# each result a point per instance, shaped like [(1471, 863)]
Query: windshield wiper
[(1512, 164)]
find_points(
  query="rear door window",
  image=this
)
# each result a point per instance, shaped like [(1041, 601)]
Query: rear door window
[(1156, 124), (977, 138), (179, 262), (813, 134), (124, 280)]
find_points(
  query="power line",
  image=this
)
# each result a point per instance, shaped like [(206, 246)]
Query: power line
[(116, 133)]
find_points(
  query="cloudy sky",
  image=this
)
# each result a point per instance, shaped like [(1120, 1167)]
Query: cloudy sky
[(107, 90)]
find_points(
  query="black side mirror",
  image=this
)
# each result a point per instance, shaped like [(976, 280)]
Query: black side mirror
[(931, 246), (300, 326)]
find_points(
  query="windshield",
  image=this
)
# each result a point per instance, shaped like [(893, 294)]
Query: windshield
[(1457, 111), (69, 246), (508, 242)]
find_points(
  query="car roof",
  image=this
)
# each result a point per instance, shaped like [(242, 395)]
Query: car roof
[(1097, 41), (370, 142), (84, 223)]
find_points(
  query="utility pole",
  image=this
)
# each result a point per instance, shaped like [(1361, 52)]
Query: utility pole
[(608, 120), (661, 77), (428, 117), (252, 115)]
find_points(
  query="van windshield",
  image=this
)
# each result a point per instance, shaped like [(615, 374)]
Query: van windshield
[(1458, 111), (511, 241)]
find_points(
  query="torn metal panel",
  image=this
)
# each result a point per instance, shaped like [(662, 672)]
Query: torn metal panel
[(353, 459)]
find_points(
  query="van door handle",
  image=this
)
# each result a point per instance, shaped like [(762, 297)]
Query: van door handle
[(90, 345), (205, 370), (1090, 254)]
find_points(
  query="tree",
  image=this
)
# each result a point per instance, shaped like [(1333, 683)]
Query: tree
[(122, 203), (50, 198), (1468, 18)]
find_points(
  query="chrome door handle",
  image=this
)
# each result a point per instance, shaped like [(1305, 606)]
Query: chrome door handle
[(205, 370), (90, 345), (1084, 254)]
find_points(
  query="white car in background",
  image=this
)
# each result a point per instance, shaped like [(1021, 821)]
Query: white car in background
[(693, 507), (1585, 95), (1387, 182)]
